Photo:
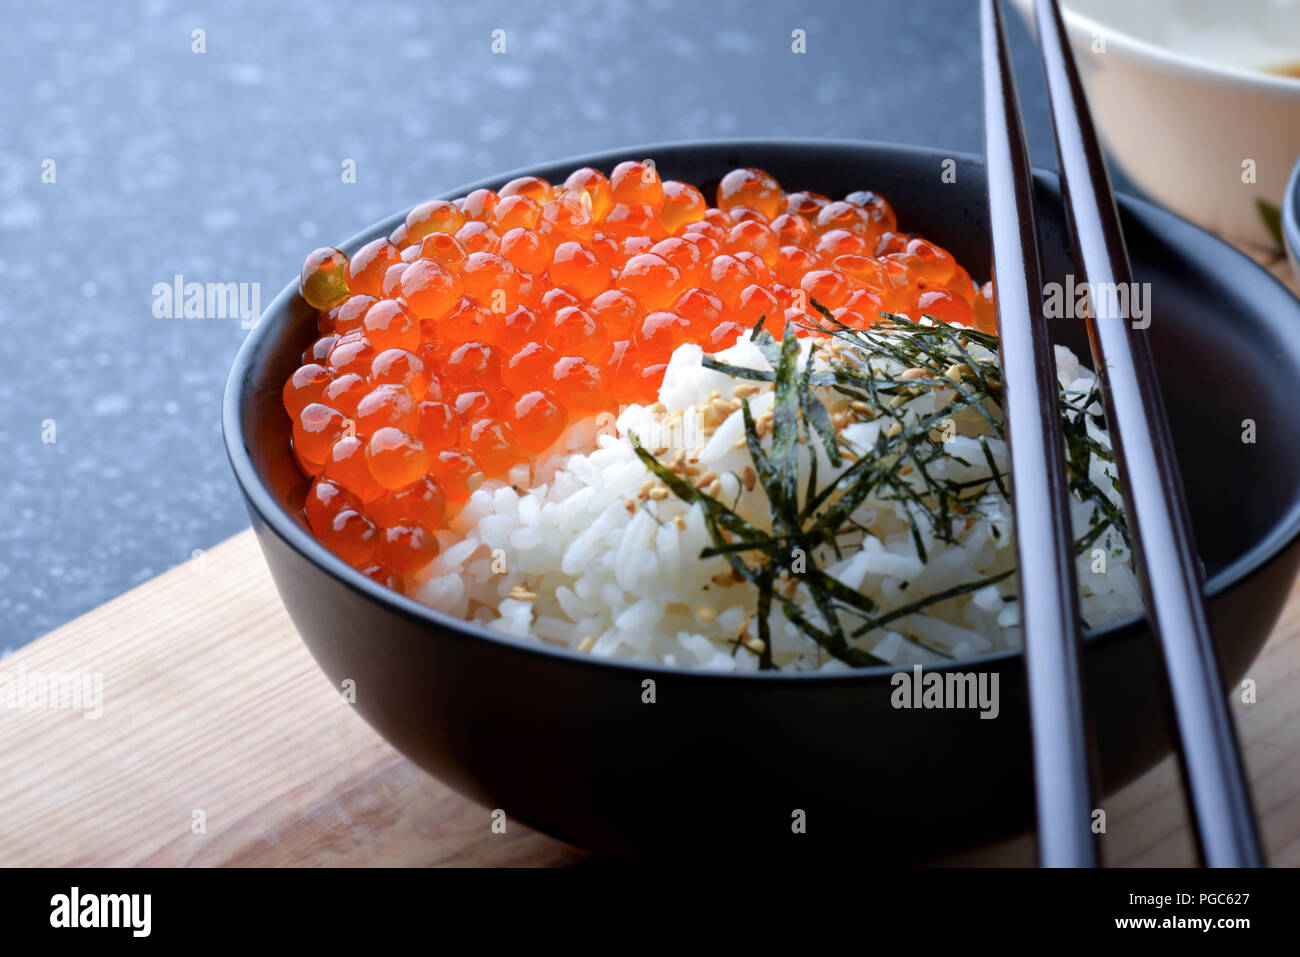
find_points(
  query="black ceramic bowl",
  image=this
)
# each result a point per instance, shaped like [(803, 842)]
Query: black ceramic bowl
[(721, 763)]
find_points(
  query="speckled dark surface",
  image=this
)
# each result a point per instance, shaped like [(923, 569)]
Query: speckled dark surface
[(225, 166)]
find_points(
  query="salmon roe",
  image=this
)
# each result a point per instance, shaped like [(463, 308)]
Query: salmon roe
[(467, 342)]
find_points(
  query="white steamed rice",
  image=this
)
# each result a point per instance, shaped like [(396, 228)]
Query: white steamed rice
[(569, 562)]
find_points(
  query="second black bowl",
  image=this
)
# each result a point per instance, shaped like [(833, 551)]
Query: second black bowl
[(568, 743)]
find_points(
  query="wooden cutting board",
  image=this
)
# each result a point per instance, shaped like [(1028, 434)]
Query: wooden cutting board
[(220, 742)]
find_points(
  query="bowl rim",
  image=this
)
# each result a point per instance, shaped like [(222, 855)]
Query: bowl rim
[(1179, 62), (1291, 218), (264, 504)]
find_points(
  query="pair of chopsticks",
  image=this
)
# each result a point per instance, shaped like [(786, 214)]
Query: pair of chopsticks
[(1157, 513)]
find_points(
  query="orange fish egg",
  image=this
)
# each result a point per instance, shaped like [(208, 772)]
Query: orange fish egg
[(420, 503), (743, 214), (349, 315), (579, 271), (635, 246), (930, 263), (986, 309), (687, 257), (706, 244), (407, 548), (469, 321), (324, 278), (762, 275), (724, 335), (877, 208), (529, 286), (528, 368), (713, 230), (315, 430), (754, 303), (791, 263), (438, 425), (347, 464), (525, 250), (388, 325), (652, 280), (381, 573), (351, 536), (943, 305), (596, 185), (474, 364), (755, 237), (515, 211), (396, 457), (538, 420), (386, 405), (492, 444), (847, 216), (458, 473), (891, 242), (392, 284), (728, 276), (477, 237), (442, 248), (473, 404), (659, 334), (636, 182), (369, 263), (430, 289), (608, 249), (304, 386), (326, 319), (554, 300), (791, 229), (324, 500), (841, 242), (568, 217), (492, 280), (435, 216), (633, 219), (351, 353), (961, 284), (751, 188), (532, 187), (721, 220), (575, 332), (869, 304), (405, 368), (805, 204), (617, 311), (344, 392), (683, 205), (479, 204), (701, 308), (577, 383), (512, 331)]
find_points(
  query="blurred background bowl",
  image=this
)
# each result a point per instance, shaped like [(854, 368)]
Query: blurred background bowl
[(1186, 93)]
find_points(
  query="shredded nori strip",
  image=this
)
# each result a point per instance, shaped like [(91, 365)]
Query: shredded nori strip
[(821, 515)]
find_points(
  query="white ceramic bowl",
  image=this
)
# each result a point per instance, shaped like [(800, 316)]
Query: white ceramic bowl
[(1183, 97)]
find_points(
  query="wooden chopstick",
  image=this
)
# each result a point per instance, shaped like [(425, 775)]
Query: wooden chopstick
[(1044, 539), (1171, 576)]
